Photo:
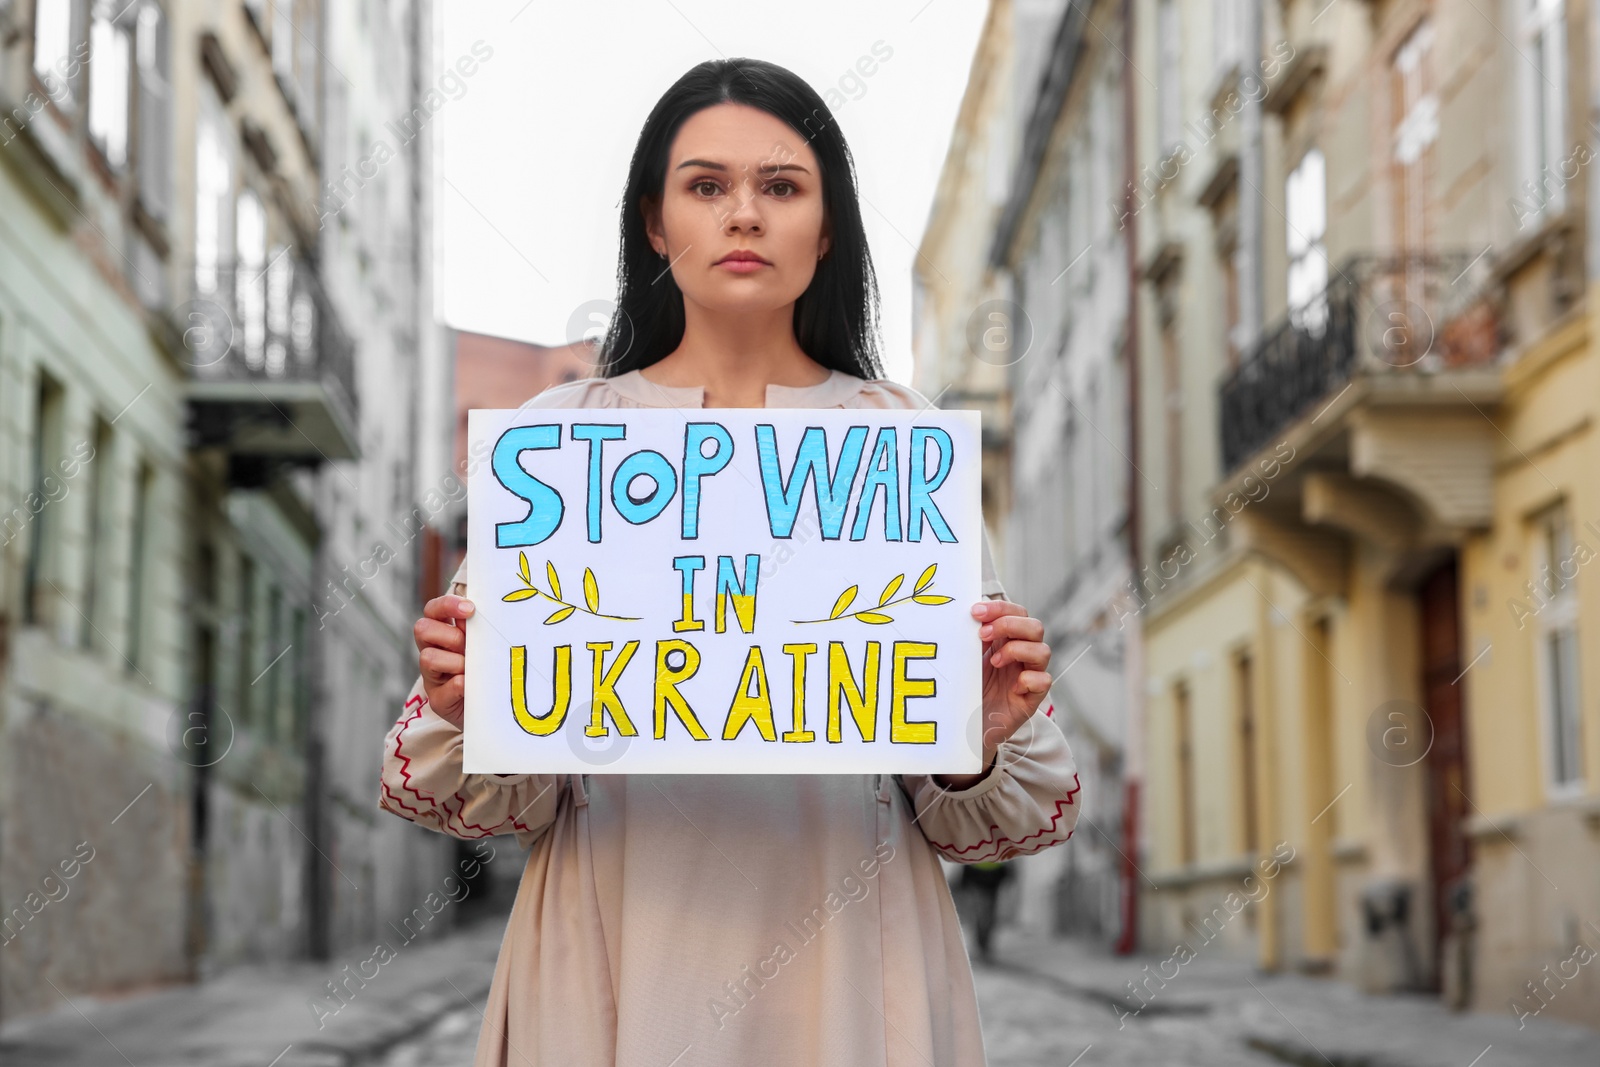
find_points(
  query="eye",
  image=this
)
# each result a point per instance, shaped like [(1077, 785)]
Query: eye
[(787, 185), (695, 188)]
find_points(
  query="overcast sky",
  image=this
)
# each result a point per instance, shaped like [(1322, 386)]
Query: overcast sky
[(535, 142)]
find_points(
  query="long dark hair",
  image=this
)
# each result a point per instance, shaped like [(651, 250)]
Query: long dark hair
[(835, 319)]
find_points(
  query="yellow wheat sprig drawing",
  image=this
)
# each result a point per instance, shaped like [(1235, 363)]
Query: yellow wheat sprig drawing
[(564, 610), (875, 615)]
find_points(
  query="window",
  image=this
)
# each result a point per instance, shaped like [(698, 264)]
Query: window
[(1172, 401), (245, 650), (1555, 584), (273, 719), (110, 53), (138, 565), (1228, 273), (53, 63), (153, 58), (1186, 812), (306, 97), (283, 45), (1244, 694), (1543, 77), (283, 306), (213, 217), (250, 281), (1228, 30), (48, 489), (1414, 111), (302, 681), (1169, 98), (97, 559), (1306, 196)]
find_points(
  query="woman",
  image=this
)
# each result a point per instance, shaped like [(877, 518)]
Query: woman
[(740, 919)]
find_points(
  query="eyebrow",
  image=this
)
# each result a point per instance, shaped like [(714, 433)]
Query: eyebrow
[(718, 166)]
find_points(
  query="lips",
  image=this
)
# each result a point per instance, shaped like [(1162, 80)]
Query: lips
[(742, 257)]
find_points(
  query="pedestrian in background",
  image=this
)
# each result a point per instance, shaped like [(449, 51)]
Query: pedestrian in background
[(980, 884)]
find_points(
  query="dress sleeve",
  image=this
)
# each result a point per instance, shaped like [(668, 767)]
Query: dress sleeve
[(422, 779), (1026, 803)]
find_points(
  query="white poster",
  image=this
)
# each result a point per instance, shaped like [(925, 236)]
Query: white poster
[(723, 591)]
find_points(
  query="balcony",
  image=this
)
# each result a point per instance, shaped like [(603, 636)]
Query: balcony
[(1393, 323), (1366, 418), (271, 370)]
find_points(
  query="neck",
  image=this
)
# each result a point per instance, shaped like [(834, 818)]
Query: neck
[(735, 357)]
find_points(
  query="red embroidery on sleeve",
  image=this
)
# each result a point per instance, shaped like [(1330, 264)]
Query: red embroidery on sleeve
[(403, 807), (1005, 848), (405, 761), (437, 807)]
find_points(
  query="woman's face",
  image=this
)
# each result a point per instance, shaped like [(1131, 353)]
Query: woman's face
[(739, 180)]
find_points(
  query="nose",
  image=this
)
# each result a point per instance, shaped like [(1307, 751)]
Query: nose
[(742, 212)]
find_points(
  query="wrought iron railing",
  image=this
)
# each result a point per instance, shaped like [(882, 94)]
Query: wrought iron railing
[(266, 324), (1416, 314)]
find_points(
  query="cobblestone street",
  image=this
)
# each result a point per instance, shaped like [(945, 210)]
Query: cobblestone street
[(1056, 1004), (1045, 1003), (1052, 1002)]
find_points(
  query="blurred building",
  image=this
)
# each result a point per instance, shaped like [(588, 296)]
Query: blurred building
[(498, 372), (1367, 413), (385, 84), (97, 599), (212, 471), (1022, 312)]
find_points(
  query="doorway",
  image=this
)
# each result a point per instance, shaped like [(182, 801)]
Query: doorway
[(1449, 852)]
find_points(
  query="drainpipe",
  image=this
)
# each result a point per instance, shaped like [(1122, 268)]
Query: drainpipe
[(319, 869), (1249, 254), (1133, 661), (319, 875), (1592, 208)]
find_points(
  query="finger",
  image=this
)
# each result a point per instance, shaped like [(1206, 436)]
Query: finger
[(1023, 626), (447, 701), (431, 633), (986, 611), (1030, 654), (1032, 682), (447, 608), (442, 664)]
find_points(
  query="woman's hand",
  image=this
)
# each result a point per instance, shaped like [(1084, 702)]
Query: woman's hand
[(1015, 677), (441, 654)]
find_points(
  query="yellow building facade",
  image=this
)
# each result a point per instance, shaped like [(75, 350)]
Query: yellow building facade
[(1370, 630)]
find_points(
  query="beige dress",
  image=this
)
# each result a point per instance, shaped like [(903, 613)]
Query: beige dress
[(739, 920)]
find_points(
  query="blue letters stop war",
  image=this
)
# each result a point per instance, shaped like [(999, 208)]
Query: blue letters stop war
[(645, 482)]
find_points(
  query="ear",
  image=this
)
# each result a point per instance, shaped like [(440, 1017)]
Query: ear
[(650, 210)]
